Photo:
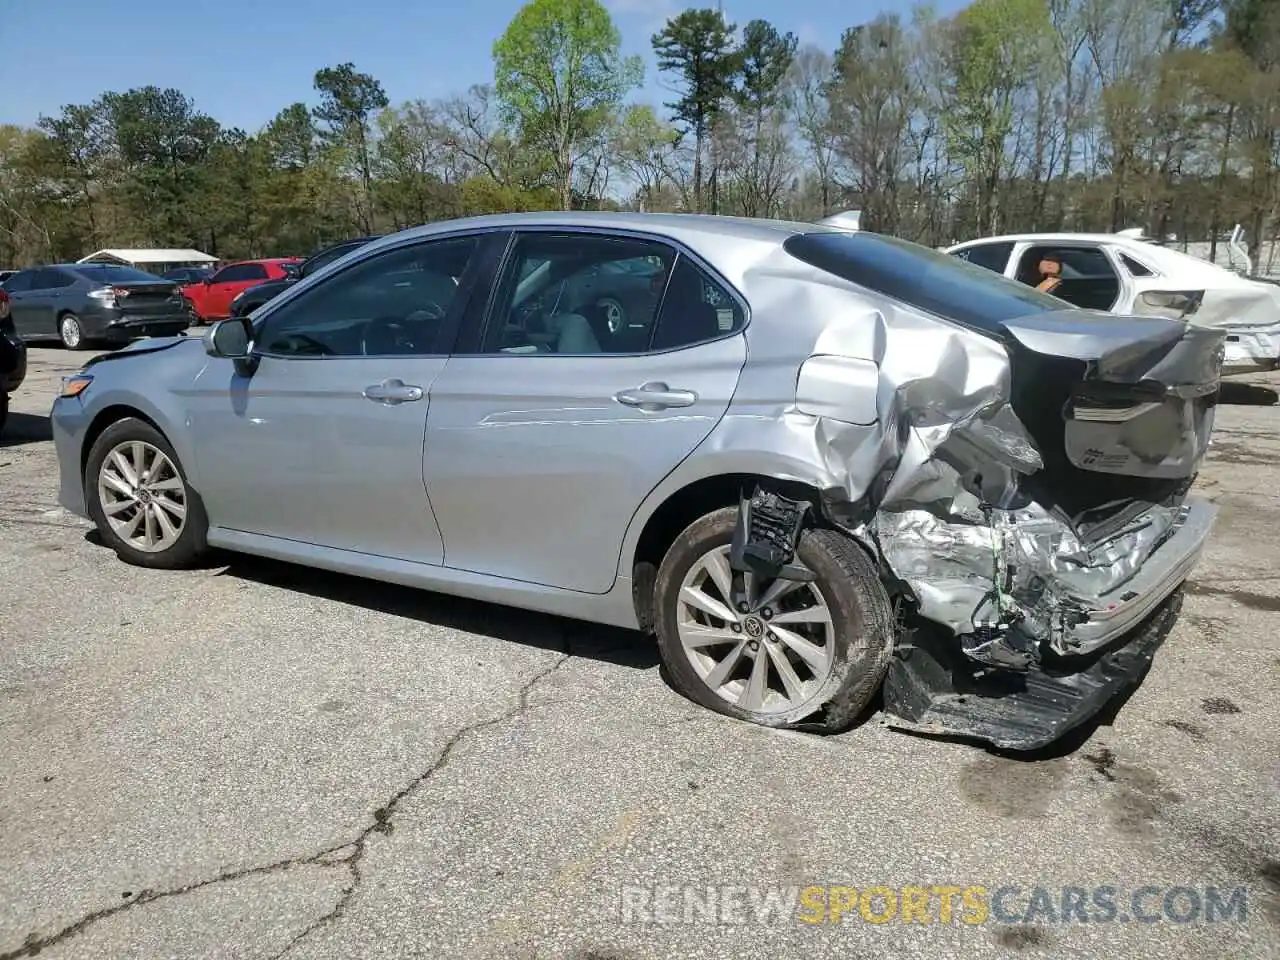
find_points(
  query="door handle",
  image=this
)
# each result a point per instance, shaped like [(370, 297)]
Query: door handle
[(392, 391), (656, 396)]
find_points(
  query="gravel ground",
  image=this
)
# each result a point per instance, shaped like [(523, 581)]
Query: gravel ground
[(255, 760)]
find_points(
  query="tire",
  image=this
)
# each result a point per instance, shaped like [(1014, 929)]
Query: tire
[(858, 636), (184, 549), (71, 332)]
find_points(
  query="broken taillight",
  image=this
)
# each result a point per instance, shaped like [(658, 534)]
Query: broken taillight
[(1169, 303)]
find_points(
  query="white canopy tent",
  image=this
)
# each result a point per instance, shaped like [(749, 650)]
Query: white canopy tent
[(155, 261)]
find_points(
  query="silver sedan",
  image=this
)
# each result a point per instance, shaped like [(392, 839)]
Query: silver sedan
[(816, 462)]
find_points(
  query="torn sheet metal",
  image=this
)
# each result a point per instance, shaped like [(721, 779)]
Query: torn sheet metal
[(967, 482)]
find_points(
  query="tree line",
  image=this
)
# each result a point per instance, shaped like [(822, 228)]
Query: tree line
[(1011, 115)]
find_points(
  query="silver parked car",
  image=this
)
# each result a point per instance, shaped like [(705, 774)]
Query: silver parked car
[(815, 462)]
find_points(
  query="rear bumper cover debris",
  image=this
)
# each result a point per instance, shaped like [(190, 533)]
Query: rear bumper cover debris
[(933, 688)]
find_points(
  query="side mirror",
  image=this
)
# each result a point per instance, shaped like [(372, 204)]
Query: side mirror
[(293, 271), (228, 339)]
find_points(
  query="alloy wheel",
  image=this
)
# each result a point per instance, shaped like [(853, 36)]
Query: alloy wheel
[(143, 496), (765, 647), (615, 317), (69, 329)]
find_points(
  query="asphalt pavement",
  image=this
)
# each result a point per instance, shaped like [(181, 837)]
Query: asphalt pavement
[(254, 760)]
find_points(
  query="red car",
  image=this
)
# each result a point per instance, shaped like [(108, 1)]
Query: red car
[(211, 298)]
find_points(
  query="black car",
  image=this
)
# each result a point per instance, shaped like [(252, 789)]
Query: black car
[(185, 275), (13, 357), (79, 303), (249, 300)]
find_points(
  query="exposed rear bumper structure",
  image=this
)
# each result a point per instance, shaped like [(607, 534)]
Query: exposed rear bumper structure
[(935, 686), (932, 688), (1121, 609)]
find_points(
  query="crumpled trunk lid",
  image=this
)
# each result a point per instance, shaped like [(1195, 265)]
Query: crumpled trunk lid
[(1120, 408)]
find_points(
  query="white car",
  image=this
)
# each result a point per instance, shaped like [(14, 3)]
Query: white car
[(1128, 275)]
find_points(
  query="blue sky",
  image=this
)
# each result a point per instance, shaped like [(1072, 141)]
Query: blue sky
[(242, 60)]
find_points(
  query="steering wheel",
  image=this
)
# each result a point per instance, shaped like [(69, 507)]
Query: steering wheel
[(400, 335)]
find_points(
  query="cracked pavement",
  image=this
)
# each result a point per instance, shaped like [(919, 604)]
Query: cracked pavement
[(256, 760)]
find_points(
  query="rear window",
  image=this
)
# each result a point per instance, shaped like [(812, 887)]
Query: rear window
[(112, 273), (920, 277)]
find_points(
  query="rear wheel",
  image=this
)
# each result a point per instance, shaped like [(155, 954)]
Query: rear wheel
[(780, 653), (70, 332), (139, 499)]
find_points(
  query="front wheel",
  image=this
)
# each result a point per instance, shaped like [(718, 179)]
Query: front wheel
[(139, 498), (779, 653)]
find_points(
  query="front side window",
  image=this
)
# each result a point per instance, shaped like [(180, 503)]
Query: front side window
[(938, 283), (322, 260), (993, 256), (578, 293), (394, 303)]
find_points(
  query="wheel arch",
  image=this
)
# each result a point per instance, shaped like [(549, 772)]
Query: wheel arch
[(104, 418), (673, 513)]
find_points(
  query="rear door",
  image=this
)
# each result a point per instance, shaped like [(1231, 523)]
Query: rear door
[(548, 429), (1088, 277)]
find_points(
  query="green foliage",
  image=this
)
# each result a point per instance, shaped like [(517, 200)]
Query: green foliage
[(697, 46), (1011, 114), (560, 77), (764, 60)]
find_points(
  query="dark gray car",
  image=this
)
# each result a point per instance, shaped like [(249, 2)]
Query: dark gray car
[(80, 303)]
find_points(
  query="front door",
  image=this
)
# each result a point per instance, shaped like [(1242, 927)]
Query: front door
[(544, 441), (322, 442)]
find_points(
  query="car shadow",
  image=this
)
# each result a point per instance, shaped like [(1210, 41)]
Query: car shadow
[(1247, 394), (22, 428), (625, 648)]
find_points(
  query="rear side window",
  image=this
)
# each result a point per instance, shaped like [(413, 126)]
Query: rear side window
[(695, 309), (993, 256), (935, 282), (1134, 267), (19, 282)]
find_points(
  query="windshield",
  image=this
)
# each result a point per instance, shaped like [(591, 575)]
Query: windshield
[(920, 277), (111, 273)]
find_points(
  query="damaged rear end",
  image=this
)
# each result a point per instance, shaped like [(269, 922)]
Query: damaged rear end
[(1030, 504)]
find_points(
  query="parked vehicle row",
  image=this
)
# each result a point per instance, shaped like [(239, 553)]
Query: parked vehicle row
[(813, 461), (210, 297), (82, 304)]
